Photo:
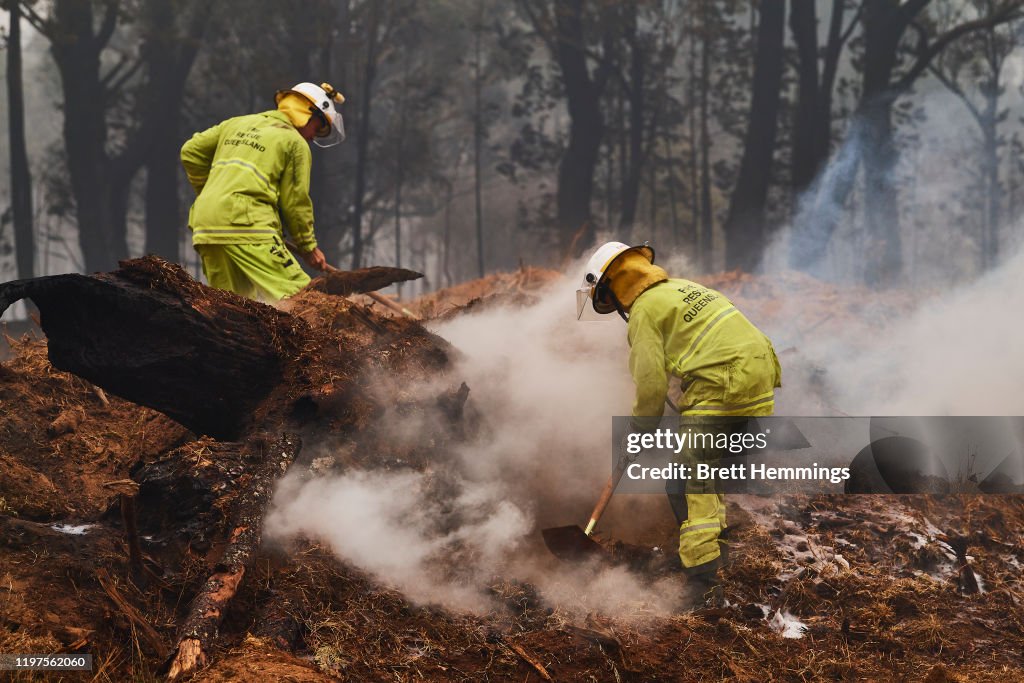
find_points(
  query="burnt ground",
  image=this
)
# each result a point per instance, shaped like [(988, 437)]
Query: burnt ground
[(872, 585)]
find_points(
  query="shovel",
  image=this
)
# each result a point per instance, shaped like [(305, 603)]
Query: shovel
[(379, 298), (573, 544)]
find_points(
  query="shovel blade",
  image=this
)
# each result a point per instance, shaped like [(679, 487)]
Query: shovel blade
[(571, 544)]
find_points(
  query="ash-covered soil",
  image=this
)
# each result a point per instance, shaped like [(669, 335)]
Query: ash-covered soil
[(823, 588)]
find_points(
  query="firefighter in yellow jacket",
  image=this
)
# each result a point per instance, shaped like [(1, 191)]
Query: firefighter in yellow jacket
[(251, 175), (726, 366)]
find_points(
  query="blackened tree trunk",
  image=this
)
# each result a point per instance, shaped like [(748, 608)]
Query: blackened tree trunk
[(993, 189), (813, 116), (76, 45), (478, 141), (837, 37), (885, 22), (100, 181), (803, 23), (586, 127), (331, 194), (635, 93), (745, 226), (870, 141), (692, 156), (818, 204), (363, 143), (670, 164), (21, 177), (707, 218), (169, 56), (882, 33)]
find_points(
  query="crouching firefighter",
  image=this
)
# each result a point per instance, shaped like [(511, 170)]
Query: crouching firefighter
[(726, 366), (251, 174)]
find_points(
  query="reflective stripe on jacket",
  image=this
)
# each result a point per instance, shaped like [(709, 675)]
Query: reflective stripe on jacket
[(681, 328), (249, 172)]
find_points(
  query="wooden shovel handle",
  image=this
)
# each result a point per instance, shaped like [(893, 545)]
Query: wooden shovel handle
[(606, 496)]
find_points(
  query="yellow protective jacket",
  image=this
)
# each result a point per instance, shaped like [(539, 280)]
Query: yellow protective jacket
[(248, 173), (727, 366)]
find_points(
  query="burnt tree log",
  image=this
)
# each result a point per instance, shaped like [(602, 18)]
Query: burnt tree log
[(234, 370), (151, 334), (218, 363), (200, 628)]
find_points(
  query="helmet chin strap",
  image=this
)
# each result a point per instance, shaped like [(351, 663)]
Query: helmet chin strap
[(619, 308)]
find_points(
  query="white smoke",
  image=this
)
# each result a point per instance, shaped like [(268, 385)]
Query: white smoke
[(956, 354), (388, 524), (942, 344), (547, 386)]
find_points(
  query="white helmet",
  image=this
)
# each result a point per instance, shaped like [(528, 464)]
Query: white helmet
[(323, 98), (595, 285)]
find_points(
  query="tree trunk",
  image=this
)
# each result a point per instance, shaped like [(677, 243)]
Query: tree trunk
[(216, 362), (169, 56), (707, 218), (446, 239), (363, 144), (631, 184), (586, 128), (609, 181), (670, 163), (695, 221), (399, 176), (329, 184), (478, 143), (745, 226), (819, 204), (163, 213), (77, 54), (882, 32), (21, 177), (822, 129), (993, 189), (804, 26)]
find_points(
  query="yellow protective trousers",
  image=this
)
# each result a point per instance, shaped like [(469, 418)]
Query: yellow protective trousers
[(266, 272), (699, 505)]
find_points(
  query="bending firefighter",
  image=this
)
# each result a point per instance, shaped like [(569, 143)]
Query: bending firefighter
[(251, 174), (726, 366)]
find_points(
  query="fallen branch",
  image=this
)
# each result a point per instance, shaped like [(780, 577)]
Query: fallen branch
[(393, 305), (200, 629), (529, 659), (131, 535), (149, 634)]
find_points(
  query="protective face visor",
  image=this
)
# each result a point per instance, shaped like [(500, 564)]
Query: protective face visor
[(335, 129), (585, 296)]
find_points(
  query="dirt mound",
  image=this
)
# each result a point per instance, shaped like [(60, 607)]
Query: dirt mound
[(793, 301), (519, 287), (62, 438), (800, 304), (842, 587)]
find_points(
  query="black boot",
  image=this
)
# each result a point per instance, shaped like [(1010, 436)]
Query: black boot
[(704, 585), (704, 591)]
